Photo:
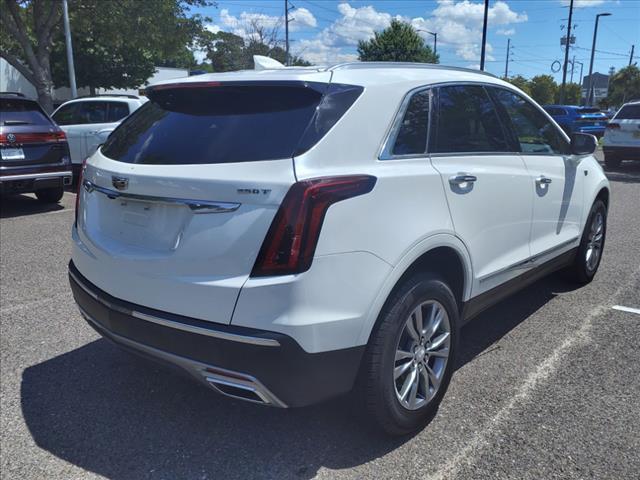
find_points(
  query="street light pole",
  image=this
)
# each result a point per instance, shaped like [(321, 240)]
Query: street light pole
[(67, 39), (566, 54), (506, 66), (593, 51), (435, 39), (484, 33)]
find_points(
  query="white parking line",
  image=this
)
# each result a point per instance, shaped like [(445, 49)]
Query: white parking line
[(627, 309)]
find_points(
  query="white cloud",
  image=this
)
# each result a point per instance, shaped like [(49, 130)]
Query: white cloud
[(458, 24), (582, 3)]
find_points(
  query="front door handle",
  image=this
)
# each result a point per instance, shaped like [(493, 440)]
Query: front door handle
[(462, 178), (542, 180)]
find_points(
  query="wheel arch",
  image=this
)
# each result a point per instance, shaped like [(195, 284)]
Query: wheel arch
[(443, 254)]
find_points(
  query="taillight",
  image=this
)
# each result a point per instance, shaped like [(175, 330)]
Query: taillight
[(42, 137), (292, 238), (613, 126), (79, 189)]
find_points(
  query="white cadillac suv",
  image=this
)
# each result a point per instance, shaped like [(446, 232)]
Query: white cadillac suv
[(293, 234)]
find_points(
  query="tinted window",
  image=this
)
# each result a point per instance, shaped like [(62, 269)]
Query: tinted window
[(117, 111), (466, 121), (555, 112), (21, 112), (532, 130), (628, 112), (223, 124), (82, 113), (412, 134)]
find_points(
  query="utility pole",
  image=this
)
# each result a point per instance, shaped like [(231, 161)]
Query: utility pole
[(566, 54), (631, 56), (287, 9), (484, 33), (593, 52), (506, 67), (67, 39), (573, 67)]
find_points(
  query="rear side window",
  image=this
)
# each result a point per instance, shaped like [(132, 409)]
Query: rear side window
[(628, 112), (228, 123), (117, 111), (412, 132), (466, 121), (555, 112), (588, 110), (534, 133), (21, 112)]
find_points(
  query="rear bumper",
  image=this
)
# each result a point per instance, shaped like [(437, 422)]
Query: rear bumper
[(255, 365), (626, 153), (30, 182)]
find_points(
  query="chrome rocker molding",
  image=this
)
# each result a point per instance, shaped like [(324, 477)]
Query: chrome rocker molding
[(233, 337), (31, 176), (231, 384), (196, 206)]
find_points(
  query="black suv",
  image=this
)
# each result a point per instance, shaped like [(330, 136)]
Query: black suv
[(34, 155)]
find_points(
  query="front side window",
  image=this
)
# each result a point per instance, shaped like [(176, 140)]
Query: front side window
[(533, 132), (412, 132), (466, 122)]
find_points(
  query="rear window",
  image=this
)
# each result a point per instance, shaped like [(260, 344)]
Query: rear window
[(21, 112), (229, 123), (628, 112)]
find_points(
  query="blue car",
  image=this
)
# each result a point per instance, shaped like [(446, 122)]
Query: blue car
[(575, 119)]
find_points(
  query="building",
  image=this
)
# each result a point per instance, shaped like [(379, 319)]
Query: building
[(11, 80), (600, 86)]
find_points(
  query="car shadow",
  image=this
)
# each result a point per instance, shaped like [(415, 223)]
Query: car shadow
[(627, 172), (126, 418), (20, 205)]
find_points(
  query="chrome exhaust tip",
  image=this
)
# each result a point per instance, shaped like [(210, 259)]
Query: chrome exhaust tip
[(239, 386)]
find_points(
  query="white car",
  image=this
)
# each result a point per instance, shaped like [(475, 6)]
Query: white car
[(622, 136), (88, 121), (287, 235)]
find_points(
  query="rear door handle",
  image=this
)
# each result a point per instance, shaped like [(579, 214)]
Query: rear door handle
[(542, 180), (462, 178)]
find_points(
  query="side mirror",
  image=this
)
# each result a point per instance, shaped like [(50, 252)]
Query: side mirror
[(583, 143)]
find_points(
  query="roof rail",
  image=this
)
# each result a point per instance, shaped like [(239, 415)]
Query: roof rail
[(124, 95), (427, 66), (17, 94)]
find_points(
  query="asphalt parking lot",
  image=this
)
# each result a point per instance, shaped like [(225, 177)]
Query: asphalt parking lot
[(548, 385)]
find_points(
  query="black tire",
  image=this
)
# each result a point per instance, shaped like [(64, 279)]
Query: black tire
[(50, 195), (582, 271), (611, 161), (378, 385)]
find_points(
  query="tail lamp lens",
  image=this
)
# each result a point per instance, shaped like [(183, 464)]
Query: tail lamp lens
[(292, 238), (40, 137)]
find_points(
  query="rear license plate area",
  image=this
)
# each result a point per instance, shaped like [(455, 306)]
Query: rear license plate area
[(11, 154)]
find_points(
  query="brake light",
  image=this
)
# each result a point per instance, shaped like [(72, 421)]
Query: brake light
[(79, 189), (613, 126), (40, 137), (174, 86), (291, 240)]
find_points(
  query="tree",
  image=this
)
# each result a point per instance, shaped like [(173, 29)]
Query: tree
[(399, 42), (520, 82), (543, 89), (228, 52), (118, 43), (28, 30), (624, 86), (572, 94)]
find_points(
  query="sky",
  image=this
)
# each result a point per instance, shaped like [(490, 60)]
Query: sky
[(328, 31)]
